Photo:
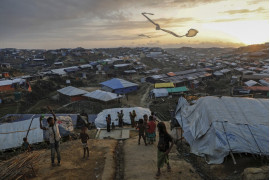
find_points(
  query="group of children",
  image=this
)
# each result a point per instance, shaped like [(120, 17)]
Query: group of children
[(145, 126), (147, 131)]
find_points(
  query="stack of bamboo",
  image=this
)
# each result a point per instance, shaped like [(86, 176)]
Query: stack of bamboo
[(17, 167)]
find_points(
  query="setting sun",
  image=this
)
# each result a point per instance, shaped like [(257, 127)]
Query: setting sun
[(247, 32)]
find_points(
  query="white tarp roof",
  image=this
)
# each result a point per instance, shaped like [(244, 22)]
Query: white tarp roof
[(121, 65), (100, 121), (72, 91), (60, 71), (10, 82), (163, 92), (86, 66), (250, 83), (102, 95), (12, 134), (215, 126)]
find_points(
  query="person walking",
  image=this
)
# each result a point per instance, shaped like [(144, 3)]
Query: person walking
[(165, 145)]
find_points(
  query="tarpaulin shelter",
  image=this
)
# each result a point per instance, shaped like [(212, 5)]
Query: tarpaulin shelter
[(162, 92), (14, 127), (119, 86), (177, 89), (100, 121), (102, 95), (216, 127), (164, 85)]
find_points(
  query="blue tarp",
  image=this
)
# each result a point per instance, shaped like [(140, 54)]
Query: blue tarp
[(119, 86)]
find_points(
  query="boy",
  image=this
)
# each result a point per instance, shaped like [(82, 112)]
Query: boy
[(141, 128), (54, 136), (164, 148), (26, 146), (84, 137), (108, 120)]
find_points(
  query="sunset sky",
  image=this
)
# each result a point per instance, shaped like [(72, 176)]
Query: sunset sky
[(50, 24)]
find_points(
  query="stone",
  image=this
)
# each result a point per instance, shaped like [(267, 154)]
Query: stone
[(255, 174)]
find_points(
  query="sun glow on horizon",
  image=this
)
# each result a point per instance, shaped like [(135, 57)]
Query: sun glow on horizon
[(247, 32)]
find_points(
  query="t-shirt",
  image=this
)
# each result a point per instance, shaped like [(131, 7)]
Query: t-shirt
[(141, 128), (151, 127), (54, 134), (164, 142), (108, 120), (25, 145), (84, 137)]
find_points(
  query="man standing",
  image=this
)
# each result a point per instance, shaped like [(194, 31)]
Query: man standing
[(54, 136)]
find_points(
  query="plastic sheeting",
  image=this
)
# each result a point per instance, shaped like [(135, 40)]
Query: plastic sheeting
[(101, 118), (12, 134), (160, 92), (215, 126), (102, 95), (13, 128)]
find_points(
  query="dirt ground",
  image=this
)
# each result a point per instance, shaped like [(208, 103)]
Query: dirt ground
[(141, 162), (73, 166)]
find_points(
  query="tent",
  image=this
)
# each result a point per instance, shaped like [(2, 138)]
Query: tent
[(163, 92), (119, 86), (14, 127), (102, 95), (177, 89), (215, 127), (100, 121), (12, 134), (164, 85)]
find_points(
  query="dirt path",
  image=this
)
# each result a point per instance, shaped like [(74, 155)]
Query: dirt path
[(73, 166), (141, 160)]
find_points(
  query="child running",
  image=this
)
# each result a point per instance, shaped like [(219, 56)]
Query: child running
[(84, 137)]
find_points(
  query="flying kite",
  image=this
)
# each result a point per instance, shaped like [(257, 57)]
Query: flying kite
[(144, 35), (190, 33)]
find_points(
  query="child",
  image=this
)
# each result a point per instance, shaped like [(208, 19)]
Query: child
[(113, 126), (145, 123), (108, 120), (164, 148), (151, 130), (84, 137), (26, 146), (54, 136), (141, 128)]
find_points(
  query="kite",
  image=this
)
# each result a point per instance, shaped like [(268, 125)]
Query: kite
[(143, 35), (190, 33)]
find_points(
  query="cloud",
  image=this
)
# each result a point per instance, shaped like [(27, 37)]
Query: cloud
[(228, 20), (245, 11), (253, 2)]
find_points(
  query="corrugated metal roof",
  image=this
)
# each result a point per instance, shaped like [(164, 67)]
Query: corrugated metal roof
[(102, 95), (164, 85), (72, 91), (177, 89), (117, 83)]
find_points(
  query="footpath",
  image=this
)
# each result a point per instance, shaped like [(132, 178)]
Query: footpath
[(140, 162)]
